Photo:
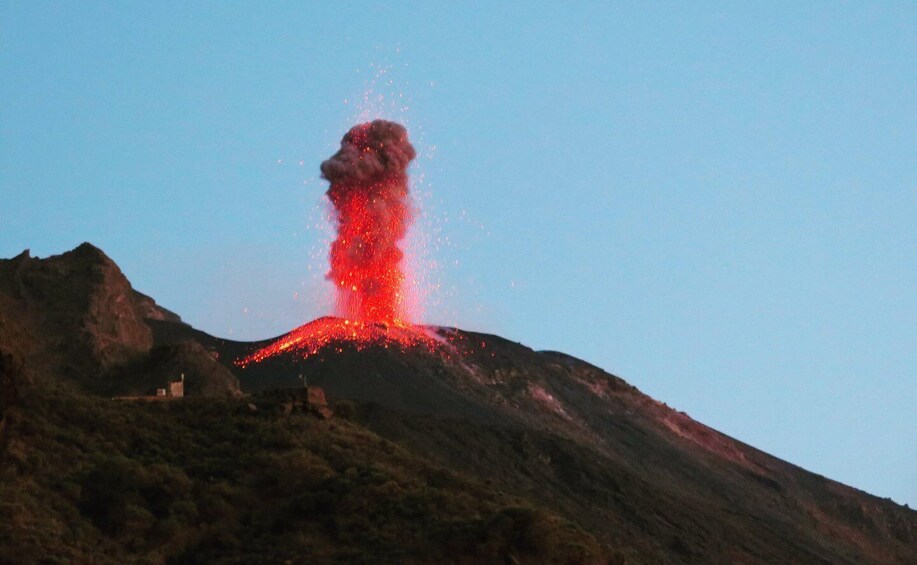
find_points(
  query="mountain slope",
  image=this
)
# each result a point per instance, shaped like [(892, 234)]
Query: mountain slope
[(244, 481), (646, 482), (636, 473)]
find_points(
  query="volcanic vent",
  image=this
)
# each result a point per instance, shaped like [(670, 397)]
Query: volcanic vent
[(370, 196)]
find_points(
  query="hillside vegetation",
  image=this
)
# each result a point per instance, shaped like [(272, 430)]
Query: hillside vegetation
[(242, 480)]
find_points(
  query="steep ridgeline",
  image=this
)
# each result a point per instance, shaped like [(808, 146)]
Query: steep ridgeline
[(75, 316)]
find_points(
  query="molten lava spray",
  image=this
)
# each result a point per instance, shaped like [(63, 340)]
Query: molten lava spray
[(369, 192)]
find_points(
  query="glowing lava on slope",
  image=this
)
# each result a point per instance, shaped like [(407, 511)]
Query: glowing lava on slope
[(329, 333), (372, 212)]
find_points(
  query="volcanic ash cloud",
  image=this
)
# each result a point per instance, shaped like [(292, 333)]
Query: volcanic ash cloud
[(369, 192)]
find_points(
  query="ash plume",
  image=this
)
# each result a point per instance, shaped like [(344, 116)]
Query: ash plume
[(369, 192)]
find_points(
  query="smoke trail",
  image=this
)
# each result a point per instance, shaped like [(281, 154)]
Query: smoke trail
[(369, 192)]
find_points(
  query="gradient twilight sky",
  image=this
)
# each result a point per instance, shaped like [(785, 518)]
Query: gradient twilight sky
[(714, 201)]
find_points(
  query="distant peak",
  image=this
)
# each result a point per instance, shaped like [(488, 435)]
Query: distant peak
[(87, 252), (88, 248)]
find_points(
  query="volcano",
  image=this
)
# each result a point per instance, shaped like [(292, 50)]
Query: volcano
[(603, 472)]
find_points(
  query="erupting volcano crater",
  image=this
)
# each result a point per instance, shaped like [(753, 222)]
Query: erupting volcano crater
[(329, 332), (372, 209)]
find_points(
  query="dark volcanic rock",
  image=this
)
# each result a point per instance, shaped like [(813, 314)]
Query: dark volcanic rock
[(543, 425), (634, 472)]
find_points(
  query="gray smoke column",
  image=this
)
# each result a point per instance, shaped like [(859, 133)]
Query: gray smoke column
[(369, 192)]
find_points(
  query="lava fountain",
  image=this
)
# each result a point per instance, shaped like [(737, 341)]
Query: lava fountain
[(372, 214), (369, 192)]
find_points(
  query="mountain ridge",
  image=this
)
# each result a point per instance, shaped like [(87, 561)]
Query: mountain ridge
[(541, 426)]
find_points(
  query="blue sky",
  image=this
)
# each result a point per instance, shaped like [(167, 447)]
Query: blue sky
[(715, 201)]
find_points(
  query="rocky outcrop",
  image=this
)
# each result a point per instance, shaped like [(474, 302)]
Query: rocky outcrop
[(152, 311), (74, 315), (309, 400)]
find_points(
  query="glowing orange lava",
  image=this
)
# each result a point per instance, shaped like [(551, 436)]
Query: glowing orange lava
[(372, 213), (334, 333)]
